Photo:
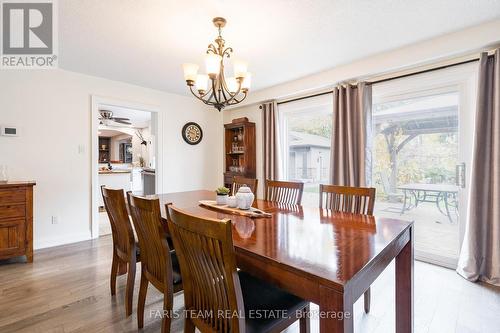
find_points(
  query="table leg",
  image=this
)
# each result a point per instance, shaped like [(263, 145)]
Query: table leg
[(404, 287), (336, 312), (416, 195), (446, 206), (404, 202)]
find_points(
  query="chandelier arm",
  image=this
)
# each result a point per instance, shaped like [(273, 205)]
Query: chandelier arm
[(220, 87), (211, 95), (219, 94), (196, 95), (224, 94), (236, 101), (209, 91), (235, 94), (212, 49), (214, 91), (224, 87), (222, 81), (227, 52)]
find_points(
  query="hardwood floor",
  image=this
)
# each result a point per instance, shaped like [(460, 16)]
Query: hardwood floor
[(66, 289)]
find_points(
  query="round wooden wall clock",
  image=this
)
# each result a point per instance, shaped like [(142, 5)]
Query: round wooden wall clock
[(192, 133)]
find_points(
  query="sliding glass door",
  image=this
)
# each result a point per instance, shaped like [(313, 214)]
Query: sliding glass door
[(422, 142)]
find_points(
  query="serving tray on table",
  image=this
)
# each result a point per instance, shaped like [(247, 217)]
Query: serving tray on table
[(252, 212)]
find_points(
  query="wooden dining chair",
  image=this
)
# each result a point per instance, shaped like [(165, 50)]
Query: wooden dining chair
[(356, 200), (289, 193), (239, 181), (159, 265), (125, 249), (213, 285)]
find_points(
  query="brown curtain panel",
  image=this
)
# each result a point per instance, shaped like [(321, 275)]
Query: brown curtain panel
[(480, 255), (350, 158), (270, 140)]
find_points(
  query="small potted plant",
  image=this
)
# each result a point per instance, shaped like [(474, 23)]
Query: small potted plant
[(222, 194)]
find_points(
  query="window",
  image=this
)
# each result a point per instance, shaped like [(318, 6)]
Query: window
[(306, 134)]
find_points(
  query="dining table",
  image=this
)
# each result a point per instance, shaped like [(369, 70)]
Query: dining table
[(325, 257)]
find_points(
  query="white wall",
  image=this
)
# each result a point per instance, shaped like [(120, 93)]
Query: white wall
[(52, 109), (426, 52)]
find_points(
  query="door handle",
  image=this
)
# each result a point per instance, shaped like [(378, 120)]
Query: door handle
[(460, 175)]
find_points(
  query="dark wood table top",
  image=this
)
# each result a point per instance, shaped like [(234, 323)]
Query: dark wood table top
[(331, 247)]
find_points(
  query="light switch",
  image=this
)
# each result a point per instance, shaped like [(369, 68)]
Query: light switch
[(81, 149)]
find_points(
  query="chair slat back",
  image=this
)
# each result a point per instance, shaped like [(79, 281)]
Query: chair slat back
[(289, 193), (357, 200), (121, 227), (208, 268), (239, 181), (152, 235)]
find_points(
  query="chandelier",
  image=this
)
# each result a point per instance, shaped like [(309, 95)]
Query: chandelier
[(214, 88)]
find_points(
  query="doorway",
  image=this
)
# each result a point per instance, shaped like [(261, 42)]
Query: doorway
[(124, 153), (422, 144)]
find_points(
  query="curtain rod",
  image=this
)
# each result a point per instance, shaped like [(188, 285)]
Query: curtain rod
[(388, 79)]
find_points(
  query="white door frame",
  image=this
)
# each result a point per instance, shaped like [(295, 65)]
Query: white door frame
[(156, 121), (461, 78)]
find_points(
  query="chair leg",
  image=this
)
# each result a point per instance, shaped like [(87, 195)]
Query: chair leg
[(367, 300), (129, 293), (142, 300), (189, 326), (304, 321), (114, 271), (168, 301)]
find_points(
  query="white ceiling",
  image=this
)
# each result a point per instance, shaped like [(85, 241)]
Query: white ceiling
[(145, 42), (110, 133), (139, 119)]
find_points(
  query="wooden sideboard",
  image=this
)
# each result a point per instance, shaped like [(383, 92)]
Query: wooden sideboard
[(16, 220)]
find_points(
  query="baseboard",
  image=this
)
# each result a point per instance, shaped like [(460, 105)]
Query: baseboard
[(436, 260), (62, 240)]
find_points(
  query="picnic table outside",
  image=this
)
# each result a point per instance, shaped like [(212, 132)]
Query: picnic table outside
[(444, 194)]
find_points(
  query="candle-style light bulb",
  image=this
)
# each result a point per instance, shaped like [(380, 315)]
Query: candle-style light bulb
[(190, 72), (201, 83), (212, 64)]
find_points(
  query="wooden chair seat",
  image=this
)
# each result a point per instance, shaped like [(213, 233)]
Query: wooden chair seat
[(259, 295)]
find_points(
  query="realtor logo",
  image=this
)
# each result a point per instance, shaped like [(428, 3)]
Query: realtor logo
[(28, 34)]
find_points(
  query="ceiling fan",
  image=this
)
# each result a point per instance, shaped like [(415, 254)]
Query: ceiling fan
[(107, 116)]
